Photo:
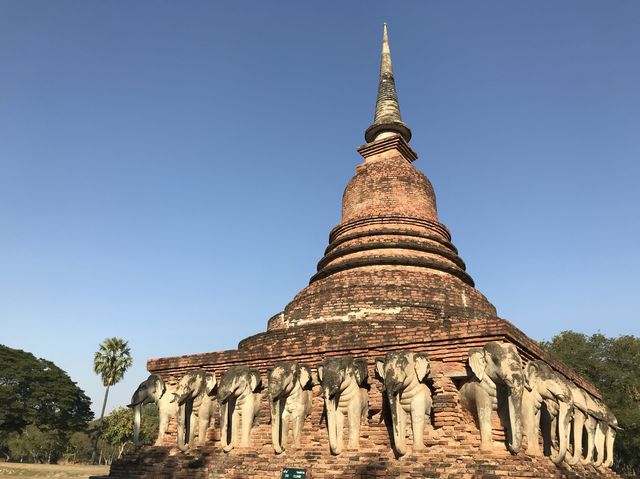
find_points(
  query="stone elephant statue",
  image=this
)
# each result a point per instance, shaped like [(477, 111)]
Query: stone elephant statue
[(583, 420), (605, 435), (153, 390), (239, 397), (344, 381), (194, 395), (289, 400), (544, 385), (498, 380), (403, 373)]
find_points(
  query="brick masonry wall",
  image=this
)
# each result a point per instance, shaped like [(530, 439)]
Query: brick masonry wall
[(452, 439), (397, 293)]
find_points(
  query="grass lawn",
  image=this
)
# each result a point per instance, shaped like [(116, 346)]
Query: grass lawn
[(9, 470)]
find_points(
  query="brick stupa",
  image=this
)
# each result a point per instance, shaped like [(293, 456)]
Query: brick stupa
[(390, 279)]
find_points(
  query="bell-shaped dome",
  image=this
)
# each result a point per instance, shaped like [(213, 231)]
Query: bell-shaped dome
[(390, 258)]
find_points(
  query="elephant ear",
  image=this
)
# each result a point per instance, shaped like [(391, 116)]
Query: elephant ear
[(477, 362), (422, 366), (210, 382), (304, 376), (254, 380), (320, 370), (361, 371), (159, 386), (380, 367), (200, 382)]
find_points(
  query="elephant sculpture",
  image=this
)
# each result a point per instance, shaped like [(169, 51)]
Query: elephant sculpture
[(583, 420), (498, 378), (289, 400), (403, 373), (153, 390), (544, 385), (239, 397), (195, 397), (344, 388), (605, 435)]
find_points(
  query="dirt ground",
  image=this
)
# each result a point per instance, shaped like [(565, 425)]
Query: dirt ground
[(10, 470)]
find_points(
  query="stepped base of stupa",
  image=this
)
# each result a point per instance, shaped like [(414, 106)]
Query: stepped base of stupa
[(452, 440), (444, 459)]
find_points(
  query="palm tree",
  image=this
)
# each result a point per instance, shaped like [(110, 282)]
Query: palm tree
[(111, 362)]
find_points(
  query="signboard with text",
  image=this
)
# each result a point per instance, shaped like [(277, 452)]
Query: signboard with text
[(294, 473)]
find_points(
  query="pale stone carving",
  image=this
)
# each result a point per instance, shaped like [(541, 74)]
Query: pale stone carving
[(239, 397), (153, 390), (605, 434), (194, 392), (403, 373), (601, 426), (344, 381), (498, 371), (583, 420), (544, 385), (290, 401)]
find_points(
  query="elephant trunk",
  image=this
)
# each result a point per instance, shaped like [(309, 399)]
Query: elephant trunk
[(601, 435), (515, 420), (332, 424), (398, 425), (563, 431), (275, 426), (610, 439), (591, 425), (578, 426), (182, 427), (137, 413), (225, 419)]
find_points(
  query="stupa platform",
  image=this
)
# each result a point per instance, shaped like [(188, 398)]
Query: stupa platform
[(452, 440)]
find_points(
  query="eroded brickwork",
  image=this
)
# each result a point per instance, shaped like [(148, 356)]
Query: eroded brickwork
[(452, 439)]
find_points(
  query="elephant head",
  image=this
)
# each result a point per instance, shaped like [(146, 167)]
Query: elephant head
[(580, 416), (500, 363), (193, 385), (238, 391), (551, 387), (149, 391), (284, 379), (605, 435), (403, 373), (336, 375)]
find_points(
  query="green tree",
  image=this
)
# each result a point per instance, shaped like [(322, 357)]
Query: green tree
[(117, 431), (111, 361), (36, 392), (79, 447), (613, 366), (35, 445)]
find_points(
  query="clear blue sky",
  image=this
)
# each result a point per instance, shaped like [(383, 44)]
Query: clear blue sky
[(170, 171)]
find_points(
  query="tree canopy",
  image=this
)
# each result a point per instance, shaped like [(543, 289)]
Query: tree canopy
[(111, 361), (36, 392), (613, 366)]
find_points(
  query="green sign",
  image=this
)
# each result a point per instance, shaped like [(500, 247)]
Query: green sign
[(294, 473)]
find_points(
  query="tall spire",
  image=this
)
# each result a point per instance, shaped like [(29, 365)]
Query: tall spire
[(387, 118)]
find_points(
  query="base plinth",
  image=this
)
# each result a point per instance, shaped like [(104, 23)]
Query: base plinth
[(452, 441)]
